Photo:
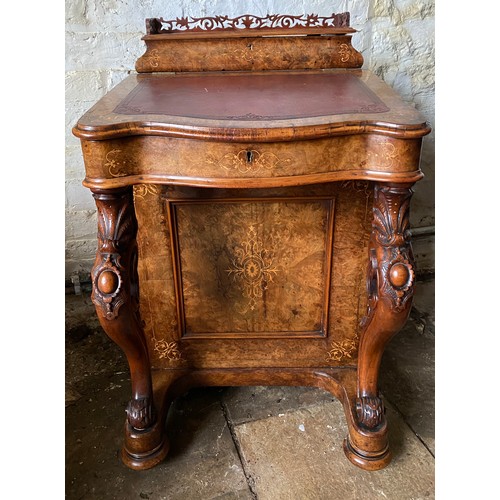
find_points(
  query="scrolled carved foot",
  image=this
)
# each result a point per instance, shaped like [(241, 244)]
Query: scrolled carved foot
[(370, 412), (141, 413)]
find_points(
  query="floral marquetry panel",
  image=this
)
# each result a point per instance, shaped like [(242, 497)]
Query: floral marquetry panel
[(285, 264), (253, 268), (157, 295)]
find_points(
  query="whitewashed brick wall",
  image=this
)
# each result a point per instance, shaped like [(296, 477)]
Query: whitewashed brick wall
[(103, 41)]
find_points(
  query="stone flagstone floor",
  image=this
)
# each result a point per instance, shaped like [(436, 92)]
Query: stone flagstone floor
[(247, 443)]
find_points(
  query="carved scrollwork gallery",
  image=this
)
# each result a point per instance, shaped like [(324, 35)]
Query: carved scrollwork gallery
[(370, 411), (157, 26), (140, 413)]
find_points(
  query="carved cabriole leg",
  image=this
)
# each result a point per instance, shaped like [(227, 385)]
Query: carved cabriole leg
[(115, 294), (391, 278)]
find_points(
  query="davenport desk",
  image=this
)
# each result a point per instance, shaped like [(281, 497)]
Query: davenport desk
[(252, 186)]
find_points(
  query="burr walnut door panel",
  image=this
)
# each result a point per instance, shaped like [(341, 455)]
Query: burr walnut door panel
[(247, 268), (253, 277)]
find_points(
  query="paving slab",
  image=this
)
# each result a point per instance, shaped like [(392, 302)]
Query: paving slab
[(205, 459), (88, 350), (203, 462), (299, 455), (244, 404), (79, 310), (407, 380), (424, 305)]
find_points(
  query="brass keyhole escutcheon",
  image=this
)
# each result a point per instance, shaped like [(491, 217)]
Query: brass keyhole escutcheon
[(249, 156)]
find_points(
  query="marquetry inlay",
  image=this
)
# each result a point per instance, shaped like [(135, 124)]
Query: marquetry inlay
[(253, 267)]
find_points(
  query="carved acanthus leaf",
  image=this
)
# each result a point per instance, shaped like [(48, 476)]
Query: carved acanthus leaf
[(116, 231), (391, 272), (391, 216), (370, 411), (140, 413)]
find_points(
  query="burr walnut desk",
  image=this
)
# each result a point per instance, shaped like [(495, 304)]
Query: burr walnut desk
[(252, 186)]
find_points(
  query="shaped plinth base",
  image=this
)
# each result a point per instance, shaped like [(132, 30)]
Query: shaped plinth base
[(365, 448), (146, 461), (143, 449), (367, 462)]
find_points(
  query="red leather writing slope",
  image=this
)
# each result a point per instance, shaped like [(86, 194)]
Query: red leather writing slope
[(251, 96)]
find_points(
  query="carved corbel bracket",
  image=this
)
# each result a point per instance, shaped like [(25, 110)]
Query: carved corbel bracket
[(391, 244), (115, 293), (390, 284), (116, 252)]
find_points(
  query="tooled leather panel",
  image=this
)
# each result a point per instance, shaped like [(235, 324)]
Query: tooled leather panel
[(251, 97)]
